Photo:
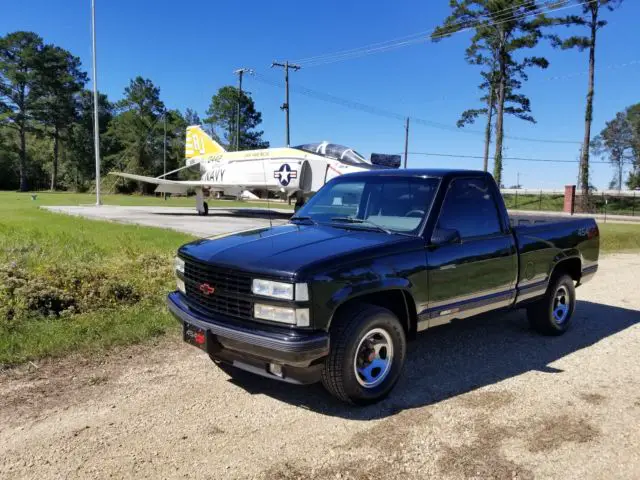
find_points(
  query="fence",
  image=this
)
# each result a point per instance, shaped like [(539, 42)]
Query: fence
[(607, 202)]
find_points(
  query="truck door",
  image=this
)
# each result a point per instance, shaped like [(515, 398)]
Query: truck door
[(472, 256)]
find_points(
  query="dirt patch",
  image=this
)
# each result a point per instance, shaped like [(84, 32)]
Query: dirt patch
[(98, 379), (34, 389), (342, 470), (487, 400), (482, 458), (552, 432), (373, 453), (593, 398), (395, 430)]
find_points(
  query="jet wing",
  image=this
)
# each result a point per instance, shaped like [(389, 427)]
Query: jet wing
[(182, 186), (164, 181)]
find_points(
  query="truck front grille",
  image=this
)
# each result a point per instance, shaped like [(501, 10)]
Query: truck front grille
[(230, 290)]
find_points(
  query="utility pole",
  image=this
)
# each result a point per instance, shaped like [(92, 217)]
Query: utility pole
[(487, 134), (240, 72), (164, 151), (96, 125), (488, 129), (285, 106), (406, 142)]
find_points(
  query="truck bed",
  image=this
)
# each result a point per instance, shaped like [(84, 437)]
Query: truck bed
[(544, 240)]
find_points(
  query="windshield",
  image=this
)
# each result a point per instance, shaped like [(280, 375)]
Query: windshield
[(391, 204)]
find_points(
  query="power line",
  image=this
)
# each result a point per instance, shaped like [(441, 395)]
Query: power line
[(521, 159), (422, 37), (325, 97), (369, 50), (613, 66)]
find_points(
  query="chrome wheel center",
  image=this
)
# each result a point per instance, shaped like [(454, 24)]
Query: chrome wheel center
[(561, 305), (374, 357)]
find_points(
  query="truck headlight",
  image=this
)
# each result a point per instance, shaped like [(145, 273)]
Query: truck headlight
[(291, 316), (267, 288), (282, 290), (178, 265)]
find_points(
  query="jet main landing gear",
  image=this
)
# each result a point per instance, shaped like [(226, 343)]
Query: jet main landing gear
[(201, 206), (205, 210)]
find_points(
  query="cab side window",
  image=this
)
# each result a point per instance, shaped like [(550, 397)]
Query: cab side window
[(469, 207)]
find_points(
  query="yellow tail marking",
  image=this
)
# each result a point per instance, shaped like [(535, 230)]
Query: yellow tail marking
[(198, 143)]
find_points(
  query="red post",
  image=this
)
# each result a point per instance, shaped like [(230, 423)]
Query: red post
[(569, 199)]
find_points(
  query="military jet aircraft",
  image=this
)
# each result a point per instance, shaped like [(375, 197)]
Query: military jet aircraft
[(291, 171)]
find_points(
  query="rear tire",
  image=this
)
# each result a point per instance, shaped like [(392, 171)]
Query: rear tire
[(552, 314), (368, 348)]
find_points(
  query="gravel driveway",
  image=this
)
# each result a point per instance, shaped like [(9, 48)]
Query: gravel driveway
[(482, 398)]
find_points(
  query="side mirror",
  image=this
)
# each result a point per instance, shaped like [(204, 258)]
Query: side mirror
[(445, 236)]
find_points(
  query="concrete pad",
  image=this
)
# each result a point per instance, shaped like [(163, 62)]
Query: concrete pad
[(182, 219)]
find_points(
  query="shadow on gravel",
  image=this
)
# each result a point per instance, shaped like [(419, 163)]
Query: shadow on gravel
[(456, 358), (231, 212)]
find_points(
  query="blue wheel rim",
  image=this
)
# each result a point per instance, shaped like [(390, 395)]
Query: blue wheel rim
[(373, 358), (561, 305)]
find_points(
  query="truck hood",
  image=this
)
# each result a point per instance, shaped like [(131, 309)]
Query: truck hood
[(288, 250)]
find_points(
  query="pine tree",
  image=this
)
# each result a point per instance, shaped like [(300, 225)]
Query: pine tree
[(222, 116), (501, 29), (590, 19), (20, 65), (61, 81)]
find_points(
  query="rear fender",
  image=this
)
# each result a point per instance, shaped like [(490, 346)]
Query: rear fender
[(571, 262)]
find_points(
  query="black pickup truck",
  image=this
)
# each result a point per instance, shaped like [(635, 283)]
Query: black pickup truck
[(372, 259)]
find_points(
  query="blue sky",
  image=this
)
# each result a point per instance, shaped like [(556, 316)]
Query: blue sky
[(190, 49)]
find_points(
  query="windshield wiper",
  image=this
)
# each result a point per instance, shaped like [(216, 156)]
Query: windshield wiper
[(361, 221), (303, 218)]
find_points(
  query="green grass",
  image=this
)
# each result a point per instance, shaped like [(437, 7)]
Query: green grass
[(619, 237), (69, 284)]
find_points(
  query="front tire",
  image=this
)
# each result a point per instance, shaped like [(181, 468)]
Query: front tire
[(368, 349), (552, 314)]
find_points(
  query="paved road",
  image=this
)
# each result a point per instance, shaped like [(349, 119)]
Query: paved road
[(184, 219), (483, 398)]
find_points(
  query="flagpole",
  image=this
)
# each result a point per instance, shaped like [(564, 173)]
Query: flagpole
[(96, 124)]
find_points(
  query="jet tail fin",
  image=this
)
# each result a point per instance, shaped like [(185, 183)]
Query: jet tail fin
[(198, 143)]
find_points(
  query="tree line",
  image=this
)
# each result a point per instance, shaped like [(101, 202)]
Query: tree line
[(619, 142), (503, 32), (46, 121)]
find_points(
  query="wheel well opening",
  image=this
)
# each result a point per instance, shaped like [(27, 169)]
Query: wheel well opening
[(571, 267), (397, 301)]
